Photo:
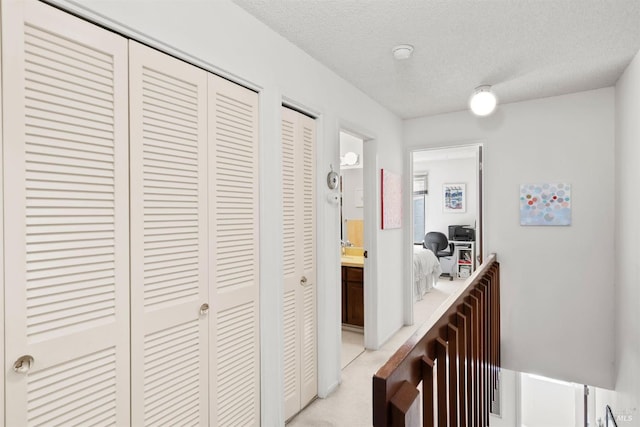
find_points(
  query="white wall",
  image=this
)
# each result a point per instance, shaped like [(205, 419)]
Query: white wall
[(351, 143), (509, 403), (449, 171), (600, 398), (221, 36), (557, 282), (352, 183), (352, 178), (546, 403), (627, 291)]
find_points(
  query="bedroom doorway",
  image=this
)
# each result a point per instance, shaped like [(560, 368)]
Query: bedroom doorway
[(446, 199), (352, 265)]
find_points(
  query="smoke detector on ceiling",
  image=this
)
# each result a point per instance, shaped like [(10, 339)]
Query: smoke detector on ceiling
[(402, 51)]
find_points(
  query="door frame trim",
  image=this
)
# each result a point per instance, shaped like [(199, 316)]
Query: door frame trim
[(2, 289), (408, 301)]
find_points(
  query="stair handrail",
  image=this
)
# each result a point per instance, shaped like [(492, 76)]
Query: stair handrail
[(464, 333)]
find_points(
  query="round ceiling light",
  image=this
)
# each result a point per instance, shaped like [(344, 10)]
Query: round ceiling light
[(402, 51), (483, 101)]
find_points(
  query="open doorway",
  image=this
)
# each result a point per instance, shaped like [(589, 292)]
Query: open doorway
[(446, 214), (529, 400), (352, 268)]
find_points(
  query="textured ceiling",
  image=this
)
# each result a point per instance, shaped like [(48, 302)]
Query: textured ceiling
[(525, 48)]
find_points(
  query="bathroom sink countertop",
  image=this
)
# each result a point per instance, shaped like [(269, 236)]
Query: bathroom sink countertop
[(352, 257), (352, 261)]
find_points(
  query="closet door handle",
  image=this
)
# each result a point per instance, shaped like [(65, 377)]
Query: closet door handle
[(204, 309), (23, 364), (303, 281)]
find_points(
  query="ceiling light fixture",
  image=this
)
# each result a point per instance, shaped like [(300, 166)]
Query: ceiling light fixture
[(402, 51), (483, 101)]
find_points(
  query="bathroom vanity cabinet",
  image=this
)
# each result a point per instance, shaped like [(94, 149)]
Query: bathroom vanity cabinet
[(352, 296)]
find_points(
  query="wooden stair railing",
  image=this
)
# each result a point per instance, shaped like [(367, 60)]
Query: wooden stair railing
[(456, 359)]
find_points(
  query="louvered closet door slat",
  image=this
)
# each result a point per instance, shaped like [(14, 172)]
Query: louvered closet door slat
[(291, 159), (233, 245), (299, 254), (169, 335), (66, 218), (308, 313)]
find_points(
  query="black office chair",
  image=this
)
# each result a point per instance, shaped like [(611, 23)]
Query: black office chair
[(437, 243)]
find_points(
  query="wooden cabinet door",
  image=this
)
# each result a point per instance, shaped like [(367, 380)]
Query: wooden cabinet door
[(355, 296), (66, 208), (345, 301), (356, 304)]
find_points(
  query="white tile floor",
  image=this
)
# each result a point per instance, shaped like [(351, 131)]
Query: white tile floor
[(350, 404)]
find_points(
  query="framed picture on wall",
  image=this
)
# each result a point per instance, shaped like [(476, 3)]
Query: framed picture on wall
[(545, 204), (454, 198), (391, 199)]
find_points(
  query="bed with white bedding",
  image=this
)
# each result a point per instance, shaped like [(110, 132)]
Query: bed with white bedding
[(426, 270)]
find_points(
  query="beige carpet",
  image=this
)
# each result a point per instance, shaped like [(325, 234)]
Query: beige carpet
[(350, 404)]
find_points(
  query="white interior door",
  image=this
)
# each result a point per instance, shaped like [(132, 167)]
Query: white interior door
[(169, 326), (299, 260), (234, 257), (66, 219), (292, 274), (308, 312)]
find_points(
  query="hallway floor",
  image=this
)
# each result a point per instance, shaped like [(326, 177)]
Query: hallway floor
[(350, 404), (352, 347)]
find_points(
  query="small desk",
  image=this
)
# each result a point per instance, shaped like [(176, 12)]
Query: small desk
[(464, 258)]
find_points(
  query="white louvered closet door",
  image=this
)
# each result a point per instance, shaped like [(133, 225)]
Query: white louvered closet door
[(169, 332), (299, 265), (1, 252), (233, 247), (66, 219)]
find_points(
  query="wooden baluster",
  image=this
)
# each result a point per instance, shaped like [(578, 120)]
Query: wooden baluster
[(496, 326), (441, 359), (405, 406), (427, 392), (488, 342), (487, 349), (488, 365), (468, 313), (461, 322), (494, 360), (476, 355), (482, 294), (452, 355), (481, 380), (489, 296), (496, 284), (497, 267), (483, 356)]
